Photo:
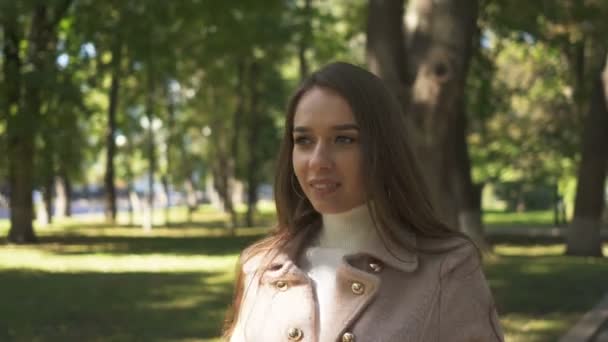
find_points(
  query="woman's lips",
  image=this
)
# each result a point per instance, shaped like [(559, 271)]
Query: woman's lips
[(323, 187)]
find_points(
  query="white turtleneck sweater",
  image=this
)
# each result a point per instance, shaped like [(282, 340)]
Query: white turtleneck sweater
[(341, 234)]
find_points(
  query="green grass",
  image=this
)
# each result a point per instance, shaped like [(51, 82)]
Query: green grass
[(540, 292), (94, 282), (208, 216), (499, 219)]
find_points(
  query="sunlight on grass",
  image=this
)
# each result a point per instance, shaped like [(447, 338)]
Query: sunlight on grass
[(519, 219), (123, 283), (33, 259), (154, 233), (530, 250), (524, 328)]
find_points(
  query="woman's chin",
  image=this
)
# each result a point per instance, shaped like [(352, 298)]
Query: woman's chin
[(331, 208)]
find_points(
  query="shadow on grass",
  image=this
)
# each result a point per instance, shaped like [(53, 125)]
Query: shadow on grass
[(216, 224), (547, 287), (547, 284), (126, 245), (39, 306)]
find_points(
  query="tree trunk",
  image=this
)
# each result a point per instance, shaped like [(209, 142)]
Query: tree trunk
[(22, 127), (191, 198), (304, 42), (223, 183), (149, 211), (47, 195), (467, 195), (167, 180), (385, 45), (425, 67), (575, 56), (584, 233), (62, 196), (230, 164), (166, 194), (254, 160), (110, 188), (47, 170), (134, 203), (20, 137)]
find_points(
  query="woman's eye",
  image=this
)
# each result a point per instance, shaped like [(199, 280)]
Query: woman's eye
[(301, 140), (345, 140)]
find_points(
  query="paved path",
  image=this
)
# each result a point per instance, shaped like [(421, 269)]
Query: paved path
[(532, 234), (592, 327), (602, 335), (534, 231)]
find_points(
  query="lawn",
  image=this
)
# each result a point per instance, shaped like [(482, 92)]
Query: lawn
[(93, 282), (526, 219)]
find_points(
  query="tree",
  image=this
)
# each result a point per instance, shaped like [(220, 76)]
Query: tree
[(584, 234), (426, 67), (25, 103), (116, 74)]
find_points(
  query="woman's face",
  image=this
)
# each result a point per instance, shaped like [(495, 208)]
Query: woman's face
[(327, 152)]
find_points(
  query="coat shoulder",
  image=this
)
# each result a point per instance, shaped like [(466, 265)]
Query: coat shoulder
[(459, 256)]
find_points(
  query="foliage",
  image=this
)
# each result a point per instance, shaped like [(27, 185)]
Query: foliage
[(529, 87)]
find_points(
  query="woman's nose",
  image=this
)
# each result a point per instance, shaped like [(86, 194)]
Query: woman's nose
[(321, 157)]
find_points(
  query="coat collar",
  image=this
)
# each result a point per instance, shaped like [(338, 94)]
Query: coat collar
[(391, 250)]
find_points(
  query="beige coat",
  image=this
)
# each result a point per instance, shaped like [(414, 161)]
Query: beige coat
[(382, 297)]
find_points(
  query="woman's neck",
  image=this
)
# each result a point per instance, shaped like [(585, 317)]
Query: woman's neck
[(347, 230)]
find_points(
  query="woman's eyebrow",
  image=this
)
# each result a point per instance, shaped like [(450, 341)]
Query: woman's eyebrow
[(346, 127), (343, 127)]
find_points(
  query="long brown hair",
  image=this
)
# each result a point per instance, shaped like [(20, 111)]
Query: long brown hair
[(394, 185)]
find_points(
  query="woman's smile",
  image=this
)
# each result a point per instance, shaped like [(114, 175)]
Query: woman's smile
[(324, 187)]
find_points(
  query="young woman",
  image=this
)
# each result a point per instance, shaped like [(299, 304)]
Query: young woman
[(357, 254)]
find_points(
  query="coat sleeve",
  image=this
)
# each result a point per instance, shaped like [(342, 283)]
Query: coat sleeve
[(466, 308)]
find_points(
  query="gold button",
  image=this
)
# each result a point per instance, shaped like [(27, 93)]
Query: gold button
[(357, 288), (376, 266), (348, 337), (281, 285), (295, 334)]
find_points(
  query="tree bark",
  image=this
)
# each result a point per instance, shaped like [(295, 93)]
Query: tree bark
[(191, 198), (166, 190), (385, 47), (110, 188), (254, 160), (584, 232), (425, 67), (304, 42), (149, 215), (22, 127), (134, 203), (20, 145), (223, 182), (47, 193), (167, 179), (468, 196), (62, 195), (237, 119)]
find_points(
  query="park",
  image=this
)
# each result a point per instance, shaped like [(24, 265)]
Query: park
[(139, 143)]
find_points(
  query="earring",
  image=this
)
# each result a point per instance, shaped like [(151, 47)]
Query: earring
[(293, 186)]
